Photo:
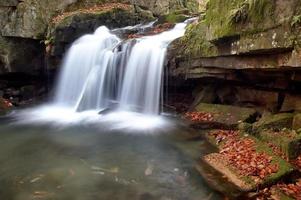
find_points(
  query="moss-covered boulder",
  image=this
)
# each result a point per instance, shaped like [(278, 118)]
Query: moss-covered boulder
[(288, 142), (246, 162), (297, 122), (274, 122), (69, 26), (223, 116), (20, 55)]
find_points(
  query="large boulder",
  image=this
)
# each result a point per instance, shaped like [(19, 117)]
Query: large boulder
[(20, 55), (71, 25), (30, 18)]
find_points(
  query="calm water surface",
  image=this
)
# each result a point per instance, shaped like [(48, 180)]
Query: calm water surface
[(94, 162)]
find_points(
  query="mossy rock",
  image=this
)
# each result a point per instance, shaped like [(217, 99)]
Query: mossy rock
[(297, 122), (275, 122), (288, 141), (225, 116), (175, 17), (280, 195), (194, 42), (233, 17), (73, 25), (245, 183)]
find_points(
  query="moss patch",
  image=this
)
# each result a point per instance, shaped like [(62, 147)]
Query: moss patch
[(226, 18), (194, 43), (245, 182), (275, 122), (288, 141), (227, 116)]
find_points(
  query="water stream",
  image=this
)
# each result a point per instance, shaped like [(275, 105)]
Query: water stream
[(68, 150), (101, 70)]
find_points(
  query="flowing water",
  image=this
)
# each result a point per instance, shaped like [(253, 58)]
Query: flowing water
[(67, 150), (102, 69)]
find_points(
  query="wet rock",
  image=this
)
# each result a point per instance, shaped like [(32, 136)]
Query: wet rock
[(74, 25)]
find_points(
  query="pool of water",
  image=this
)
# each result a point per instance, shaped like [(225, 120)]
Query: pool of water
[(93, 161)]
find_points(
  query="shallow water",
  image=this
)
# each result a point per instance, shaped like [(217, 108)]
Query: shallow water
[(87, 162)]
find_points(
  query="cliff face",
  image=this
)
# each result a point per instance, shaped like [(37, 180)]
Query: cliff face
[(24, 24), (34, 35), (252, 47)]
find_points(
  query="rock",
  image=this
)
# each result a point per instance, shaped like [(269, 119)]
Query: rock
[(221, 162), (27, 92), (20, 55), (217, 162), (258, 98), (235, 44), (9, 3), (73, 25), (206, 94), (297, 122), (224, 116), (31, 18), (291, 103), (173, 18), (274, 122), (289, 142)]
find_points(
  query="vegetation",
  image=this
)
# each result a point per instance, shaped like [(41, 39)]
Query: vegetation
[(221, 16)]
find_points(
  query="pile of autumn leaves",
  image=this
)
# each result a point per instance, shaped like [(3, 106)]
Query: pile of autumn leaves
[(291, 190), (241, 154), (199, 116), (5, 104)]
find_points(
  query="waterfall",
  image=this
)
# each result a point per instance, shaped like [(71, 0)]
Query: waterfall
[(101, 70)]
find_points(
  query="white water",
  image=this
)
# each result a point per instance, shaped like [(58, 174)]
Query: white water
[(96, 74), (102, 71)]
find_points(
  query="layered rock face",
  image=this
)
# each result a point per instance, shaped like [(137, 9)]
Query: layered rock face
[(244, 53), (25, 23), (35, 34)]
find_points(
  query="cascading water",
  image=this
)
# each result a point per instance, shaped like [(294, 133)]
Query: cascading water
[(101, 69), (102, 73)]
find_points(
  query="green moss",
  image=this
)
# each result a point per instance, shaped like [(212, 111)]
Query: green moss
[(288, 141), (284, 167), (224, 17), (194, 43), (275, 122), (296, 20), (173, 18)]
